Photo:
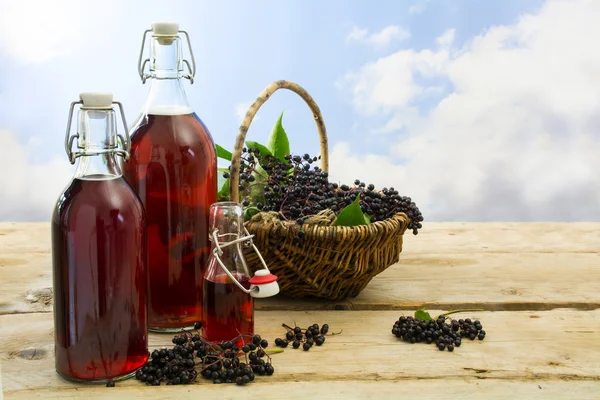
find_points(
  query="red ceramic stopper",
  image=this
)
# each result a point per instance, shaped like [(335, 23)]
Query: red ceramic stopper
[(262, 278)]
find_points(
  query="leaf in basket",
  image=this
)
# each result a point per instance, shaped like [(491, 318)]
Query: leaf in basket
[(223, 194), (261, 148), (223, 153), (278, 141), (351, 215), (249, 212), (422, 315)]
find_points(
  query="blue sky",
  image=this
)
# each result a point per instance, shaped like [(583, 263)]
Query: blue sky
[(363, 79)]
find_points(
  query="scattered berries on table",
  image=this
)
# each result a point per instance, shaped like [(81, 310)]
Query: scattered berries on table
[(192, 355), (305, 338), (444, 332)]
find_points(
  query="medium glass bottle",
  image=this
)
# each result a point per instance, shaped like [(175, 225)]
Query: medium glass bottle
[(229, 288), (99, 255), (173, 169)]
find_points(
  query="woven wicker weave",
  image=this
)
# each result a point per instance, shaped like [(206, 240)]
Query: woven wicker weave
[(332, 262)]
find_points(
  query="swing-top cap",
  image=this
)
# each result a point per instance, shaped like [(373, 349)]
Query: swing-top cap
[(96, 100), (261, 277), (265, 282), (165, 28)]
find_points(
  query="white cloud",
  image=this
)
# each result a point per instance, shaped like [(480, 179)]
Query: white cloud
[(37, 31), (515, 138), (418, 7), (446, 39), (29, 189), (377, 39), (389, 84)]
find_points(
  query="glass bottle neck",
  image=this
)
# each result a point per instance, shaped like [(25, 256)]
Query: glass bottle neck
[(97, 145), (167, 95), (226, 219)]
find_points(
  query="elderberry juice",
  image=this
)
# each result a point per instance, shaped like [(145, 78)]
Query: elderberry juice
[(229, 311), (99, 272), (173, 171)]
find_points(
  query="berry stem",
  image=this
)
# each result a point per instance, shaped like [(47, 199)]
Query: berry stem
[(462, 310)]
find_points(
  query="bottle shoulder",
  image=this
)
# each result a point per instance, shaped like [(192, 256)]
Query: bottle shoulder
[(102, 198), (186, 130)]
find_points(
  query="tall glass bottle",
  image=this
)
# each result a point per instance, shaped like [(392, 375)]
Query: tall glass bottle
[(173, 169), (99, 255)]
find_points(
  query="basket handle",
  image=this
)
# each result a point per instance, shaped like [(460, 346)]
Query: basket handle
[(234, 172)]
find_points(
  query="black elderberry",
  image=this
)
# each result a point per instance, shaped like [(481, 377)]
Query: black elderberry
[(296, 344), (110, 384), (306, 346)]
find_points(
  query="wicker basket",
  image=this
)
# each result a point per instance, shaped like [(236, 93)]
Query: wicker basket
[(331, 262)]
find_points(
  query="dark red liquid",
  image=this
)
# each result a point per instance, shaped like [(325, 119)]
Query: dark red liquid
[(228, 311), (100, 282), (173, 169)]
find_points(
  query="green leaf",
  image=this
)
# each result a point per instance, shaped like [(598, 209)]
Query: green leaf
[(249, 212), (224, 154), (223, 194), (278, 141), (261, 148), (223, 170), (351, 215), (423, 315)]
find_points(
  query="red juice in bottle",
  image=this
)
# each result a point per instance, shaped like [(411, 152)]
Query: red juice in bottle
[(173, 169), (229, 311), (99, 259)]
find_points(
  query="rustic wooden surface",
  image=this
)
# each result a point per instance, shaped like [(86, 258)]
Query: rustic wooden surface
[(539, 285)]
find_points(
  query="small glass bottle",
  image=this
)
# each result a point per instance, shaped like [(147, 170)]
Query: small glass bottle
[(229, 289), (173, 169), (99, 255)]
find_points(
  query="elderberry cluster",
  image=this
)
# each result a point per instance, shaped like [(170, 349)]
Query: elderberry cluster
[(296, 189), (221, 363), (445, 335), (227, 367), (303, 337)]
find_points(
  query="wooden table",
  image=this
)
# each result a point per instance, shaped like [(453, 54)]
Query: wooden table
[(538, 282)]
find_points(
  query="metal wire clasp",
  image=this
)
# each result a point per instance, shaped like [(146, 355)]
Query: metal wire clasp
[(247, 240), (125, 142), (142, 64)]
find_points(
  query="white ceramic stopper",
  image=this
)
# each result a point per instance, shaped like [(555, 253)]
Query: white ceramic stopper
[(97, 100), (165, 28)]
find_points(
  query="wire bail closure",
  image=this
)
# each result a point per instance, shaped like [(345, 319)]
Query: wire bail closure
[(125, 142), (262, 278), (142, 64)]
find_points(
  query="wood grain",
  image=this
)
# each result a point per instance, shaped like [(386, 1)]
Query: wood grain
[(548, 346), (450, 265), (464, 388)]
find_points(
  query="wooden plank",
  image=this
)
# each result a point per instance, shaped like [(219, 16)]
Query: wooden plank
[(495, 281), (548, 347), (436, 237), (488, 389)]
